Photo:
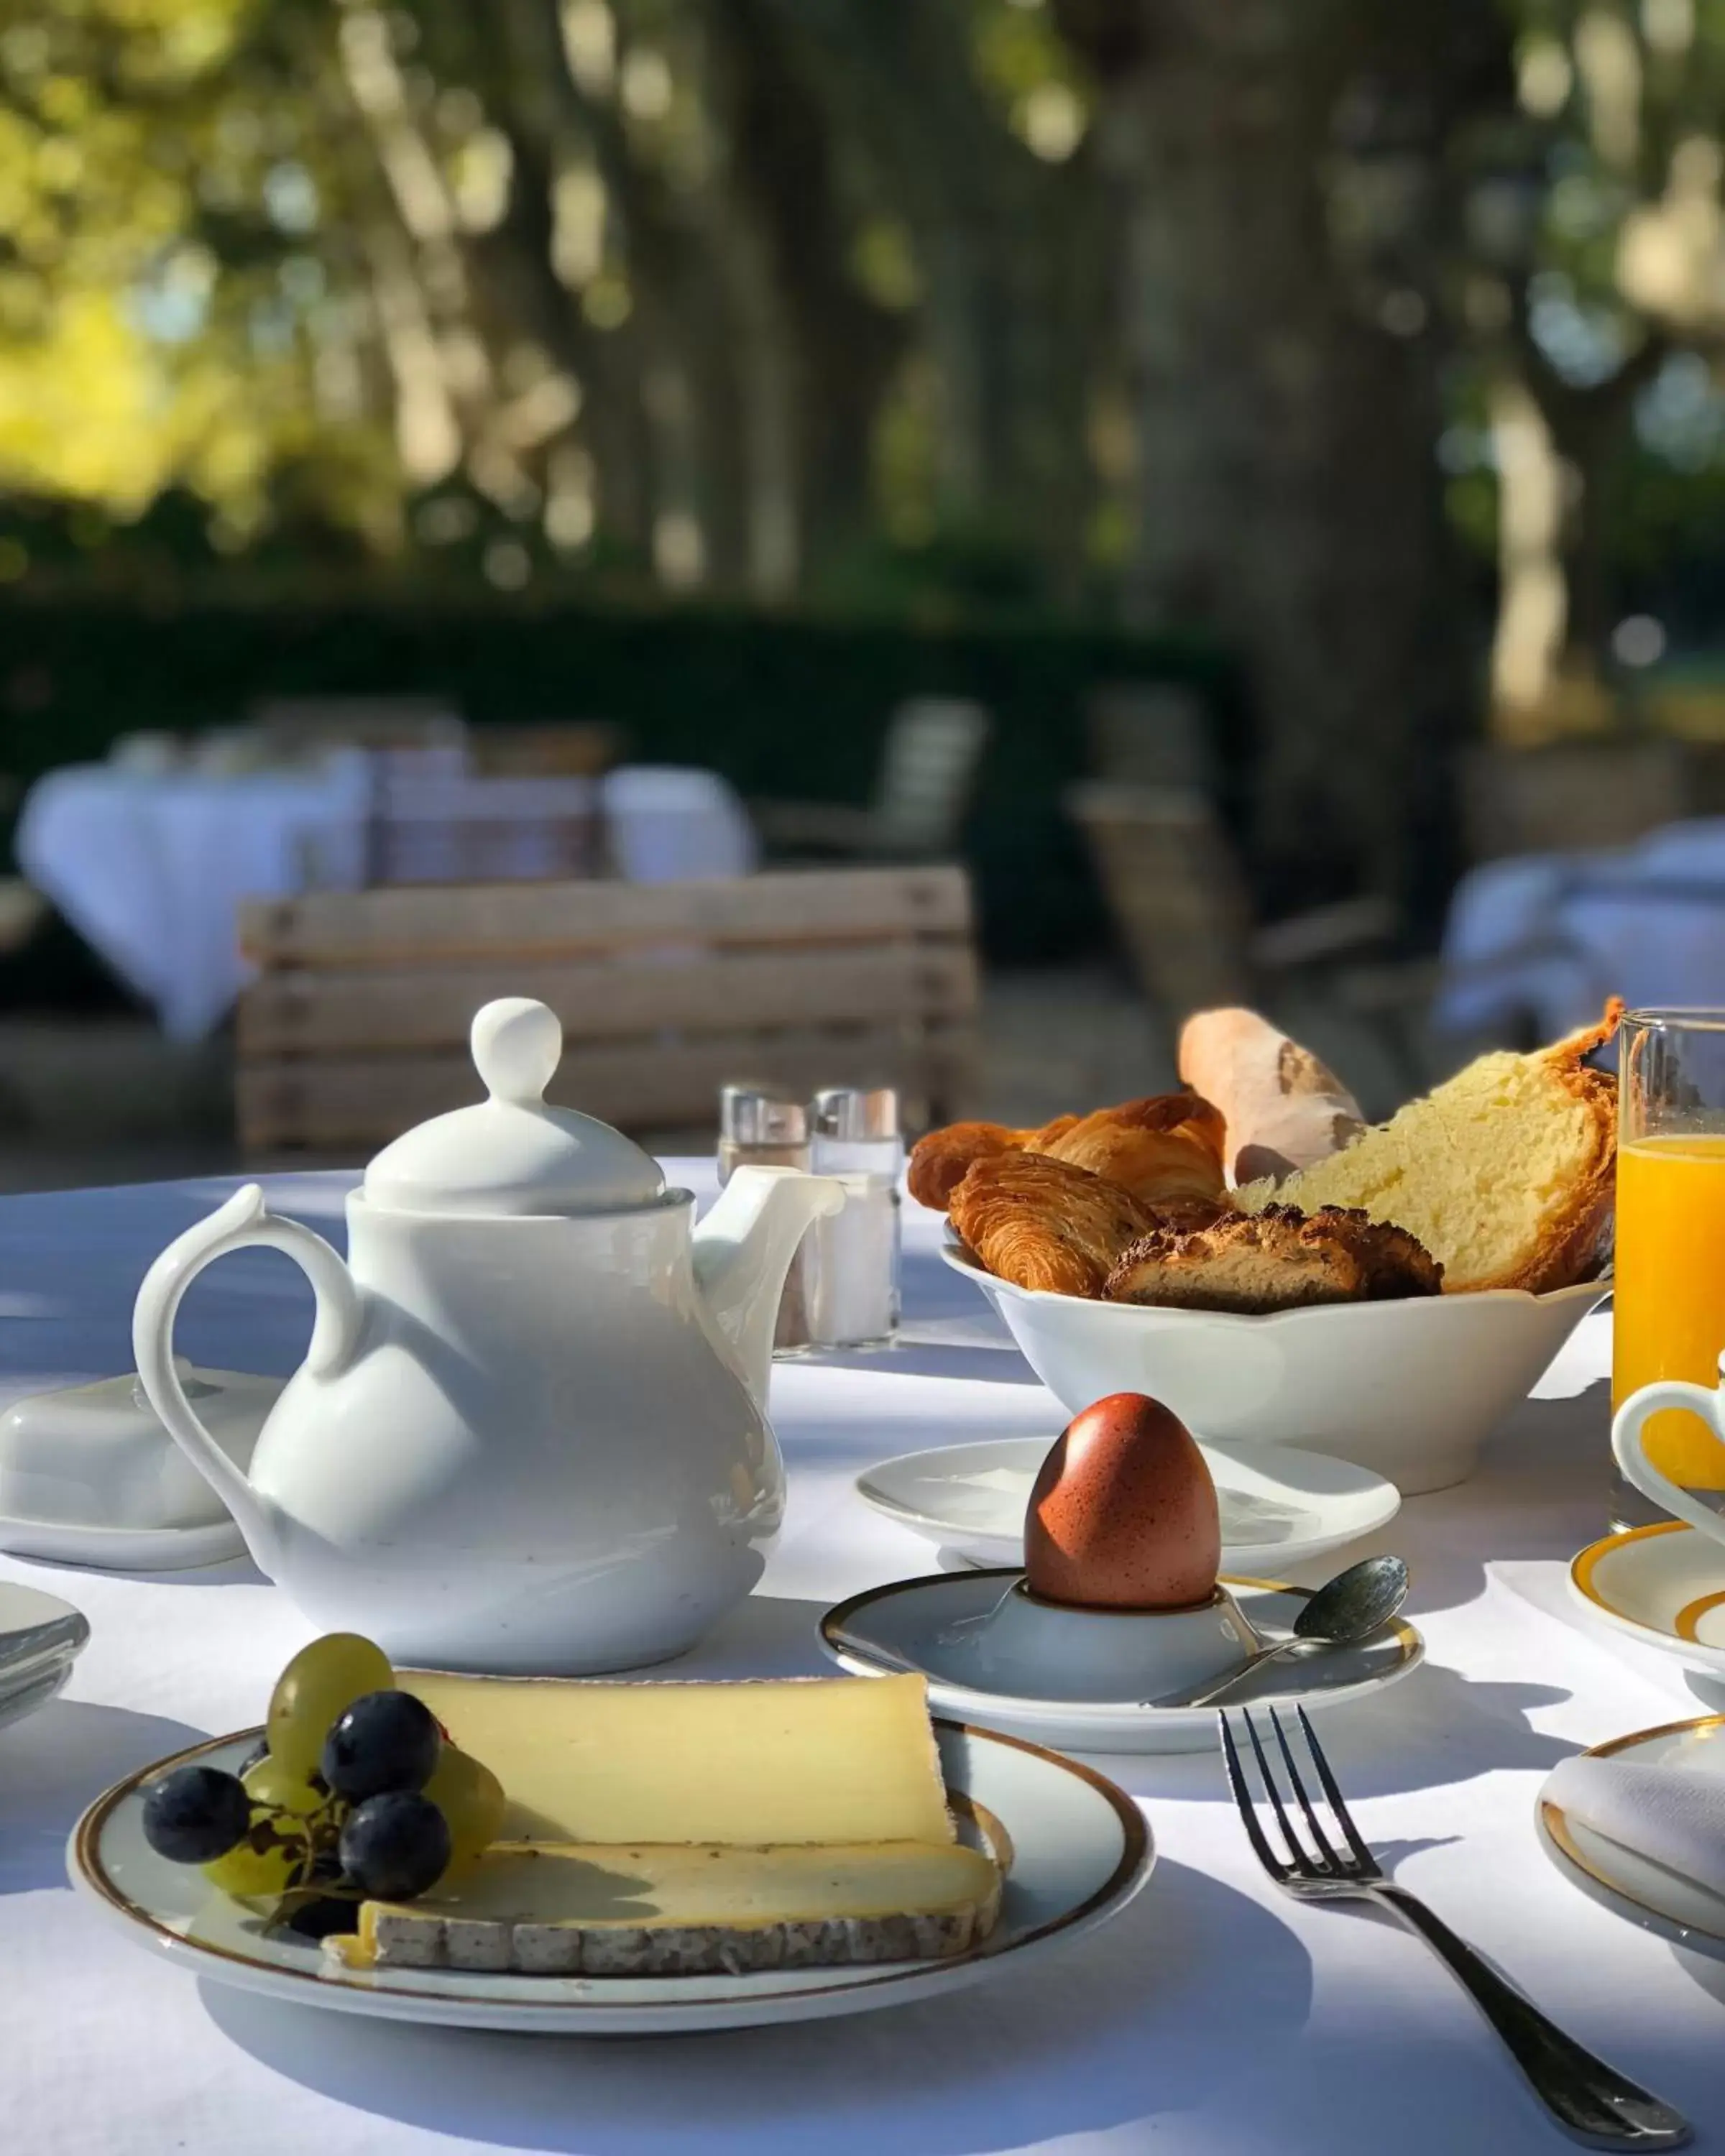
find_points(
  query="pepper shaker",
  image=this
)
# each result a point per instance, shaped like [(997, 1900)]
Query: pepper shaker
[(853, 1276), (757, 1131)]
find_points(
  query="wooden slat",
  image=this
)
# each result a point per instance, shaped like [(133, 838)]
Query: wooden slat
[(362, 1101), (410, 926), (294, 1011)]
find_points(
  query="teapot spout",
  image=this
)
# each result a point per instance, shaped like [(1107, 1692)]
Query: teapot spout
[(742, 1251)]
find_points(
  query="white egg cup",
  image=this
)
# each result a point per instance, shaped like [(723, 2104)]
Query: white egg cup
[(1035, 1649)]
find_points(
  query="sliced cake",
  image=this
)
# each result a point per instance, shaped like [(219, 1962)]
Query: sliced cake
[(1505, 1173)]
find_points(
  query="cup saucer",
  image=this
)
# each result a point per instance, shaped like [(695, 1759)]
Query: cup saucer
[(1663, 1585), (928, 1624)]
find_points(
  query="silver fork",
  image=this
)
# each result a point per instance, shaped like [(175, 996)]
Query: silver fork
[(1589, 2100)]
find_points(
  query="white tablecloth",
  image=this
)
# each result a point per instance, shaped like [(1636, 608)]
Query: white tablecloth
[(151, 868), (1214, 2019), (1544, 938)]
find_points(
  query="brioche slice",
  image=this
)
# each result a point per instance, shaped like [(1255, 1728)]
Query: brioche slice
[(1043, 1223), (1505, 1173), (1278, 1259)]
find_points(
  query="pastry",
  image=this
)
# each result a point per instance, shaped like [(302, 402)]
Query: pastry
[(1505, 1173), (939, 1160), (1165, 1150), (1277, 1259), (1042, 1223), (1283, 1108)]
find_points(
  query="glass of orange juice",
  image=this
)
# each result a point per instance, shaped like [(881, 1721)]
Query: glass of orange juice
[(1669, 1295)]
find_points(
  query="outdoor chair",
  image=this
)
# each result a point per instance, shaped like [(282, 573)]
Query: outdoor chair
[(928, 769), (357, 1023), (1178, 895)]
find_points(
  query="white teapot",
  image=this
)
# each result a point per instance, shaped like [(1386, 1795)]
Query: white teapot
[(528, 1434)]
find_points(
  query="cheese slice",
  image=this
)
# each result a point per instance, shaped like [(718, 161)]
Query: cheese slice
[(834, 1760), (687, 1908)]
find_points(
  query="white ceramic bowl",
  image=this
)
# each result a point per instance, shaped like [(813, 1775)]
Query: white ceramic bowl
[(1411, 1389)]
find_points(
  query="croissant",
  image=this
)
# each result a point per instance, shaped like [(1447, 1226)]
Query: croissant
[(1166, 1149), (938, 1161), (1045, 1224), (1280, 1259)]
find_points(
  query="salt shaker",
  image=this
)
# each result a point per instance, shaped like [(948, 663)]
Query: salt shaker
[(853, 1276), (757, 1131)]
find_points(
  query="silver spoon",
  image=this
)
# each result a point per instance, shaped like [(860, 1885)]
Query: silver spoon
[(1348, 1609)]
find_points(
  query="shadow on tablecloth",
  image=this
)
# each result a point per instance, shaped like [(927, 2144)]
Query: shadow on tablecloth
[(55, 1764), (1122, 2028)]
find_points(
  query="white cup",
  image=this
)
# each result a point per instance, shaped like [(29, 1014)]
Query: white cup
[(1626, 1427)]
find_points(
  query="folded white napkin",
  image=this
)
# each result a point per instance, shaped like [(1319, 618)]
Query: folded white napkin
[(1675, 1815)]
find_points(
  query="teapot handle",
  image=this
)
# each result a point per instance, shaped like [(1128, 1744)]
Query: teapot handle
[(244, 1222)]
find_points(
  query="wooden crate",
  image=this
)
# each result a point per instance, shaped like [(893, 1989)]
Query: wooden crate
[(356, 1024)]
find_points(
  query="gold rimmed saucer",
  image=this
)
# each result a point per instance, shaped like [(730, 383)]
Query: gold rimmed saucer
[(1663, 1585), (1622, 1880)]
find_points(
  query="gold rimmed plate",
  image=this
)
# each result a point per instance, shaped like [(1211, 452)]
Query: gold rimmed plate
[(1634, 1886), (1663, 1585), (1081, 1849)]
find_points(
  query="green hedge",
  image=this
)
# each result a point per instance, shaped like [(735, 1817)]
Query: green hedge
[(786, 707)]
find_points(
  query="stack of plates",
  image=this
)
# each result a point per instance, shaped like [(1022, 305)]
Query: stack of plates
[(40, 1637)]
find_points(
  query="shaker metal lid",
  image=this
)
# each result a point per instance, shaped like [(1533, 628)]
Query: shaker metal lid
[(852, 1113), (749, 1117), (511, 1154)]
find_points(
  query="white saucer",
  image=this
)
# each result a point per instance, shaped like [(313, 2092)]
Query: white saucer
[(46, 1685), (904, 1625), (1646, 1893), (36, 1630), (124, 1549), (1081, 1850), (1280, 1506), (1663, 1585)]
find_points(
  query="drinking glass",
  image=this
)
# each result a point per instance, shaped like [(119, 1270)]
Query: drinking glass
[(1669, 1294)]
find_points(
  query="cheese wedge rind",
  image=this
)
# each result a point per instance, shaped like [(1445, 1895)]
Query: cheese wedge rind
[(689, 1909)]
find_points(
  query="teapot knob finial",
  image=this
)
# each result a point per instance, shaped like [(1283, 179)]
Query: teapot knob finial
[(517, 1044)]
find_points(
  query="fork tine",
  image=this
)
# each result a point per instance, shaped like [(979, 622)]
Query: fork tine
[(1343, 1819), (1248, 1810), (1327, 1855), (1296, 1848)]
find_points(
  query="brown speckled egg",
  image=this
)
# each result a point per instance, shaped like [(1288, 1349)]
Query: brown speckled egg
[(1123, 1515)]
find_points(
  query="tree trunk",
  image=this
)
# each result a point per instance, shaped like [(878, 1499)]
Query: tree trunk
[(1288, 410)]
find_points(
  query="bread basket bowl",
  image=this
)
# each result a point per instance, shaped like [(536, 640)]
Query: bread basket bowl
[(1410, 1388)]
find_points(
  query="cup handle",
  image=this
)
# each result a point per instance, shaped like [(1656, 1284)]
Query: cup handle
[(1626, 1427)]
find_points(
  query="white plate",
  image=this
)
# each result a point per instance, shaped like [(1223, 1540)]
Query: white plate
[(1636, 1887), (124, 1549), (902, 1626), (1279, 1505), (35, 1630), (25, 1698), (1081, 1849), (1663, 1585)]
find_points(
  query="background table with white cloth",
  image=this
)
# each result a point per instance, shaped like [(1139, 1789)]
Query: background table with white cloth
[(1213, 2018), (1538, 941), (151, 867)]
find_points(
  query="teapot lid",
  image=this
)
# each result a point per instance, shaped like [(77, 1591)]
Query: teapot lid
[(513, 1154)]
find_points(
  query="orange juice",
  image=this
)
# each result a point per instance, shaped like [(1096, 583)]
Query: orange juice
[(1669, 1300)]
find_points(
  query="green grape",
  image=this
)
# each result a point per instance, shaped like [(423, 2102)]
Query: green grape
[(321, 1683), (270, 1784), (249, 1872), (471, 1800)]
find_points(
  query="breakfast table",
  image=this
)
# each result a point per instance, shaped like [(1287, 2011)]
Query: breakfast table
[(1212, 2016)]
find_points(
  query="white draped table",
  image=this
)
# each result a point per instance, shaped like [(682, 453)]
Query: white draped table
[(151, 868), (1214, 2019)]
